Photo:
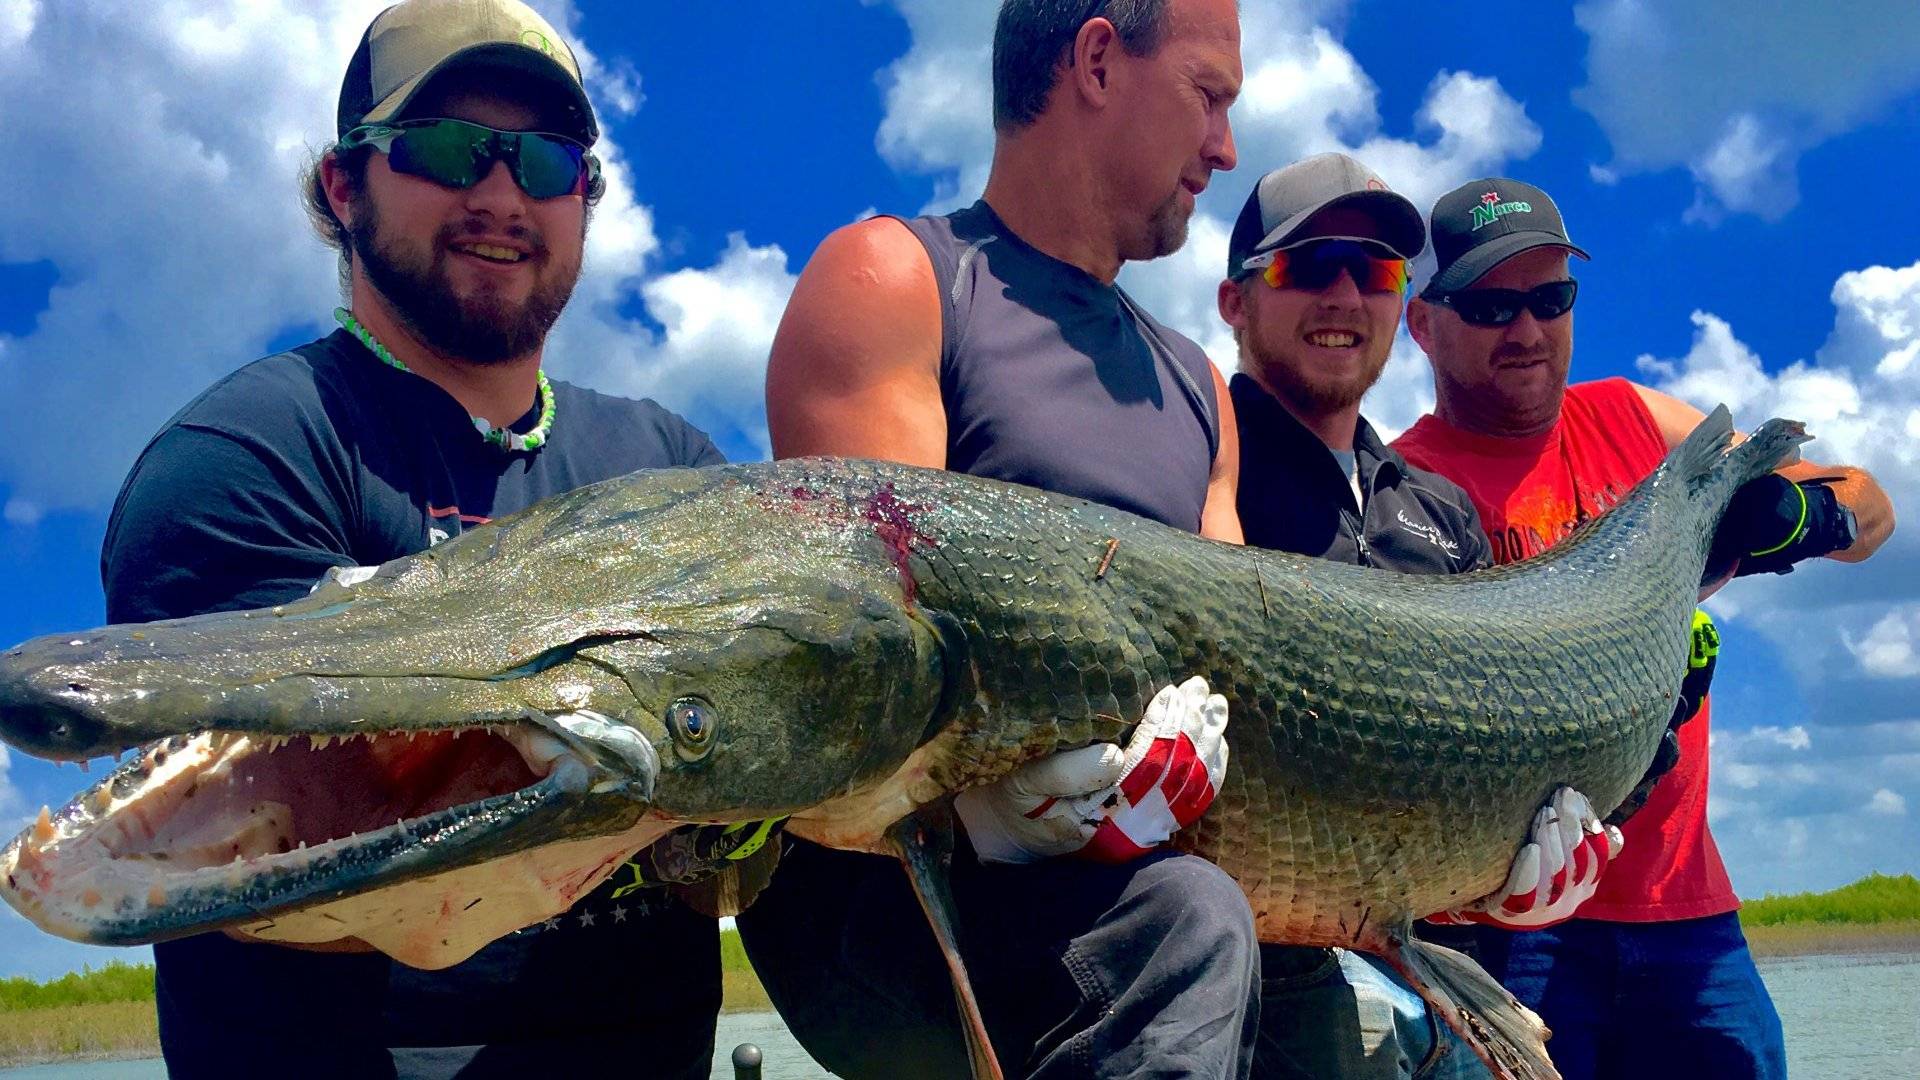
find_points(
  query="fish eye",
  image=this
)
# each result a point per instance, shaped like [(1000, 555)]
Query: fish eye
[(691, 721)]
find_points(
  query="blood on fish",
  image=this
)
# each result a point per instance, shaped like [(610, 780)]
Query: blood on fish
[(893, 523)]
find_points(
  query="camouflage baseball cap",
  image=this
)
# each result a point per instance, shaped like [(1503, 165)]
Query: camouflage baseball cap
[(410, 43)]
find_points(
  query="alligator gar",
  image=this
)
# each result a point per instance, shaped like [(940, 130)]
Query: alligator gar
[(468, 741)]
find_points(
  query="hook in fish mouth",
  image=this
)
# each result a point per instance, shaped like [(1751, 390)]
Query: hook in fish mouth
[(396, 837)]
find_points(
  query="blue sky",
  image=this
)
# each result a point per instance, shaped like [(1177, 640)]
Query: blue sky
[(1741, 184)]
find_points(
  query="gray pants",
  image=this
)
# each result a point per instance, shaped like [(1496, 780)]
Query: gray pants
[(1082, 970), (1333, 1013)]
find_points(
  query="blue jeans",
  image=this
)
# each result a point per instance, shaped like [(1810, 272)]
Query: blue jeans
[(1349, 1016), (1640, 1000)]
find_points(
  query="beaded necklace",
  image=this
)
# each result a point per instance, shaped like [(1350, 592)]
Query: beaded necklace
[(505, 438)]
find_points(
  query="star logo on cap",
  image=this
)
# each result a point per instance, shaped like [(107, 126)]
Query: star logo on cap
[(1490, 198)]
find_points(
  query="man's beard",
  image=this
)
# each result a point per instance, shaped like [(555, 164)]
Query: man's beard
[(1166, 230), (1306, 394), (481, 328)]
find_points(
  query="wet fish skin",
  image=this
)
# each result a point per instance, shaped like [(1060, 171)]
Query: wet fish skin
[(872, 637)]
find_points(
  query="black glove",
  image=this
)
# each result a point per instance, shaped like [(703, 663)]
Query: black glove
[(1773, 523), (694, 852), (1702, 656)]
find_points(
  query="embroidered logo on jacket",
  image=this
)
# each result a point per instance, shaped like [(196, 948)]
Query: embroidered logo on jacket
[(1429, 532)]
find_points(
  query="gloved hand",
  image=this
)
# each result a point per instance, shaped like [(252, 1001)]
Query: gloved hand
[(1702, 656), (1772, 523), (693, 852), (1556, 871), (1106, 802)]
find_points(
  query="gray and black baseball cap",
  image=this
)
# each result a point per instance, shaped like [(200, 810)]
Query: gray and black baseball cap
[(1279, 212), (1483, 223), (410, 43)]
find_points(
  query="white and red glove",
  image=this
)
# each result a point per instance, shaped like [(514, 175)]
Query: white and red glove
[(1558, 870), (1106, 802)]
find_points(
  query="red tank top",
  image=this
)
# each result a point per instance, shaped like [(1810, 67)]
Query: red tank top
[(1533, 492)]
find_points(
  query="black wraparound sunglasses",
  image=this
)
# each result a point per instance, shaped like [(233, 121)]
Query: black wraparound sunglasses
[(459, 154), (1498, 307)]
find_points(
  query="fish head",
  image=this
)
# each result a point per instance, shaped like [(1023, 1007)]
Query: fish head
[(467, 740)]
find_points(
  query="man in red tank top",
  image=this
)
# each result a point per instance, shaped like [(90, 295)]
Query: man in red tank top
[(1653, 977)]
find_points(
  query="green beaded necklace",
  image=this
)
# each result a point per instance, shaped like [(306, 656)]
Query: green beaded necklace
[(505, 438)]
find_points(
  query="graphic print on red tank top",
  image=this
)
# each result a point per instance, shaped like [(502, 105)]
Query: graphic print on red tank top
[(1532, 493)]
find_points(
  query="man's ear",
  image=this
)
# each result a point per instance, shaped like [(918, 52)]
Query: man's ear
[(338, 187), (1232, 302), (1091, 62), (1419, 323)]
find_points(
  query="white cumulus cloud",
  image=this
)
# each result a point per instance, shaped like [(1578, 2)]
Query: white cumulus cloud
[(11, 801), (1887, 804), (1736, 95), (162, 189), (709, 362), (1845, 632), (1887, 651), (1858, 396)]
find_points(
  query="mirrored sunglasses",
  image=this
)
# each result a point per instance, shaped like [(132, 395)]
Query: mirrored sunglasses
[(1319, 263), (1498, 307), (458, 154)]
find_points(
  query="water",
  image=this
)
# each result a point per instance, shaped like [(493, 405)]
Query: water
[(1847, 1018)]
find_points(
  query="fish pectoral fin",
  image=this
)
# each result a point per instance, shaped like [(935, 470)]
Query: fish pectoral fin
[(1506, 1035), (924, 842)]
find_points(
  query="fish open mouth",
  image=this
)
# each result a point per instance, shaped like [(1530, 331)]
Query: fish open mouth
[(406, 840)]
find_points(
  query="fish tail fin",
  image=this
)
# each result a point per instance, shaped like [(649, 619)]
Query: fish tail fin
[(1705, 462), (1507, 1035)]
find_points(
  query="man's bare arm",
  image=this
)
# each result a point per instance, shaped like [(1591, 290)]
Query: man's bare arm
[(855, 366), (1220, 517), (1856, 489)]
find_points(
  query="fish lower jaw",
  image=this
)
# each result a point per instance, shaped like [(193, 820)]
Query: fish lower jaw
[(439, 920), (200, 828)]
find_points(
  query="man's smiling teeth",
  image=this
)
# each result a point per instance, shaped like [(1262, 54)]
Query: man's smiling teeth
[(490, 251), (1333, 339)]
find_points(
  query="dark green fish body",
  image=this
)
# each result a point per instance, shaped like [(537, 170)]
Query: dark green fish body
[(847, 641)]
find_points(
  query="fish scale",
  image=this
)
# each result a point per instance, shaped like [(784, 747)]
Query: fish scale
[(1358, 709)]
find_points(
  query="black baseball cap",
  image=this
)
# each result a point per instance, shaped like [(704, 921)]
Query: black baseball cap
[(1482, 223), (410, 43), (1278, 212)]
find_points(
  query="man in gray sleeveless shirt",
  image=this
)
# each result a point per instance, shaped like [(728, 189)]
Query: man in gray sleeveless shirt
[(993, 341)]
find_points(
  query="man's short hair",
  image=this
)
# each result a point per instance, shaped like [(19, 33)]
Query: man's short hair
[(1031, 38)]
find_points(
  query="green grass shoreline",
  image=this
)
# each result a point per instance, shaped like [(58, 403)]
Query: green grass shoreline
[(105, 1013)]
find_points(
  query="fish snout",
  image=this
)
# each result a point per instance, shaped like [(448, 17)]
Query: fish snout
[(50, 711)]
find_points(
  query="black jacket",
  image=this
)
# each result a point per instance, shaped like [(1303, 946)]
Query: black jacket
[(1293, 497), (322, 457)]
